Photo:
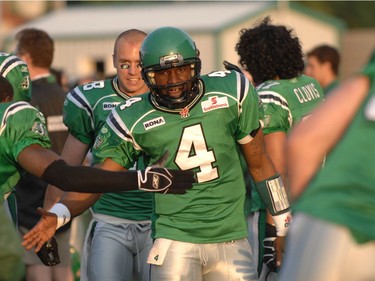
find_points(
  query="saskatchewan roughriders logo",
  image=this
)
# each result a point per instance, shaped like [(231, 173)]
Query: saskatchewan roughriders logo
[(38, 128), (25, 84)]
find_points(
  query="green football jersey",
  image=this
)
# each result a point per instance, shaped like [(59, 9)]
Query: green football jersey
[(343, 192), (285, 103), (21, 126), (85, 111), (17, 73), (202, 137)]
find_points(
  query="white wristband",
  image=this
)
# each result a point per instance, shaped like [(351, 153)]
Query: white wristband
[(282, 223), (62, 213)]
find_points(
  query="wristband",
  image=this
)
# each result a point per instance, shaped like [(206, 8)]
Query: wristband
[(273, 194), (62, 213), (282, 223)]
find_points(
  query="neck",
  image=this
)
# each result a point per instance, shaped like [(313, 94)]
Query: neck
[(36, 72)]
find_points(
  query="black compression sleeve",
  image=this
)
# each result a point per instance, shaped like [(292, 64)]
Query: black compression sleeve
[(88, 179)]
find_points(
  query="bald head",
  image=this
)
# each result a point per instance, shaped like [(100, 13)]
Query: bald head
[(131, 36)]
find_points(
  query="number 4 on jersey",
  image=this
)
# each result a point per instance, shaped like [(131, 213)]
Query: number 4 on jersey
[(193, 153)]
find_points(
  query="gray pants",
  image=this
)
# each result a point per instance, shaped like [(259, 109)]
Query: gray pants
[(321, 251), (117, 252)]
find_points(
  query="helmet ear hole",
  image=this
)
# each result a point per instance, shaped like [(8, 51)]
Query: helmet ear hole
[(165, 48)]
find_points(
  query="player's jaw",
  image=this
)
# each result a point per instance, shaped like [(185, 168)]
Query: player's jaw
[(133, 85)]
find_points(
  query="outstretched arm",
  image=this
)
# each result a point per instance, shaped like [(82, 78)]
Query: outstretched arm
[(47, 165), (270, 187), (74, 153), (327, 122)]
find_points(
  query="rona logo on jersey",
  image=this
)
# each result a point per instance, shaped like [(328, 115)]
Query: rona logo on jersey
[(109, 105), (154, 123)]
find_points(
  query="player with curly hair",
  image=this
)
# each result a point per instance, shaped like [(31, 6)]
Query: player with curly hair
[(273, 56)]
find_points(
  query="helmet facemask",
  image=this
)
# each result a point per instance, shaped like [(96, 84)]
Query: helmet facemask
[(160, 92)]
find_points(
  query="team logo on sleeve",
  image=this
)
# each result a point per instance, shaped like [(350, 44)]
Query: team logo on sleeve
[(39, 128), (24, 69), (98, 142), (25, 84), (214, 103)]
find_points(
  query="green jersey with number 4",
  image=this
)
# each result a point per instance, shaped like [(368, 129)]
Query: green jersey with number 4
[(85, 111), (202, 137), (21, 126)]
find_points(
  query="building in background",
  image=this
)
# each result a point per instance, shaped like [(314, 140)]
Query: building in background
[(84, 35)]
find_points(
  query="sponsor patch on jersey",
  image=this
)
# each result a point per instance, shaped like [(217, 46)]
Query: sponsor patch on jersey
[(159, 121), (214, 103), (109, 105), (370, 108)]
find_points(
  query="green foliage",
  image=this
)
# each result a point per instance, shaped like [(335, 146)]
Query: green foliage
[(356, 14)]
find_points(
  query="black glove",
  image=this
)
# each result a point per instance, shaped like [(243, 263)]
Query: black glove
[(231, 66), (269, 255), (156, 178), (159, 179), (49, 253)]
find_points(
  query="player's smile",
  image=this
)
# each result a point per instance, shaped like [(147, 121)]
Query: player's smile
[(175, 92)]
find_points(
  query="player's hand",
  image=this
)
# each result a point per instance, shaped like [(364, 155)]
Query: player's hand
[(162, 180), (269, 255), (280, 247), (231, 66), (41, 232), (157, 178)]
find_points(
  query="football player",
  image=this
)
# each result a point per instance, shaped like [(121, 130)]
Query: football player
[(201, 119), (121, 225), (273, 55), (333, 231)]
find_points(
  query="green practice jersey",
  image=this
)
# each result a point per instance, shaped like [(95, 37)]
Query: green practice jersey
[(85, 111), (343, 192), (285, 103), (17, 73), (202, 137), (21, 126)]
